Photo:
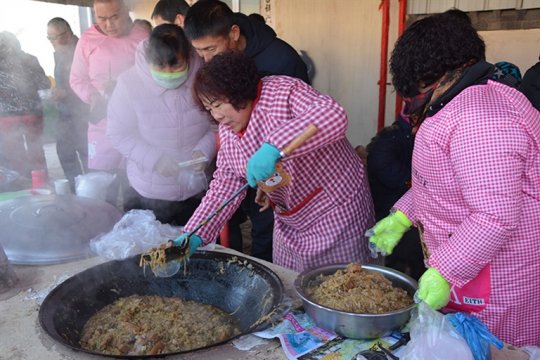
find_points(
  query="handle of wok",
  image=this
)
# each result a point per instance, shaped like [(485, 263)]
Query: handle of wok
[(308, 133)]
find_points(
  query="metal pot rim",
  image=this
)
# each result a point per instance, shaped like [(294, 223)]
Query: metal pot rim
[(57, 300), (311, 274)]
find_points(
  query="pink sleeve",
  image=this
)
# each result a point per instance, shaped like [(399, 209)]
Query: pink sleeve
[(222, 187), (491, 179), (79, 78), (307, 106), (405, 205)]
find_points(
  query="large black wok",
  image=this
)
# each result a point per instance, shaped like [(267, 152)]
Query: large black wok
[(237, 285)]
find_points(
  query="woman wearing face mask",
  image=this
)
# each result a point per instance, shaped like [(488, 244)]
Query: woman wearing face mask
[(154, 122)]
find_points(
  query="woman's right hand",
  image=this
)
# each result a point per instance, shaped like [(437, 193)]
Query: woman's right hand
[(386, 234), (166, 166)]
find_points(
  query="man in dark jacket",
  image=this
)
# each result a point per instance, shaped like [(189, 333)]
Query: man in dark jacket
[(213, 28), (72, 125), (389, 172)]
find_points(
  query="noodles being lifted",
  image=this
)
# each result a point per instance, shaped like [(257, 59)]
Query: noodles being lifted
[(158, 257), (155, 258)]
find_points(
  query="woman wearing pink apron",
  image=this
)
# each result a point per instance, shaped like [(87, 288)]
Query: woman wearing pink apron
[(475, 194), (319, 192)]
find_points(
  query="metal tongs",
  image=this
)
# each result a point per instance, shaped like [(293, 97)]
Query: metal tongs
[(175, 254), (385, 353), (179, 252)]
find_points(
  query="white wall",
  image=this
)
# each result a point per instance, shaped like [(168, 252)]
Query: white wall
[(343, 38), (520, 47)]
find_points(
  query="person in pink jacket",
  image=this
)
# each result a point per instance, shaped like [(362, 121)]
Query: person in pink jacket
[(104, 51), (156, 125), (322, 211), (475, 194)]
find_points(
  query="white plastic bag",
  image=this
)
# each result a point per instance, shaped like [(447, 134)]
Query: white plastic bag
[(192, 175), (94, 184), (533, 351), (136, 232), (433, 337)]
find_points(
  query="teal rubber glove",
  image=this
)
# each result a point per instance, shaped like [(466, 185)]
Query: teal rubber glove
[(195, 242), (170, 268), (262, 164), (433, 289), (385, 235)]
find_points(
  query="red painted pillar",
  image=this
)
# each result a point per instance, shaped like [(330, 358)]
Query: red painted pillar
[(385, 7), (401, 28)]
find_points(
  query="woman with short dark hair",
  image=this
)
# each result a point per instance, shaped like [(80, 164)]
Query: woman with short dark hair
[(475, 194), (319, 193)]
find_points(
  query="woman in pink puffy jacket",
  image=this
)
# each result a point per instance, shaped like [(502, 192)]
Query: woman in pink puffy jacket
[(155, 124)]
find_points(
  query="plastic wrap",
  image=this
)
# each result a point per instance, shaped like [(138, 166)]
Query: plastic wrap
[(193, 176), (94, 184), (136, 232), (433, 337)]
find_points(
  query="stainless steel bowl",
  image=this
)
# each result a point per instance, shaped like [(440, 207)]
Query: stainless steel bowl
[(352, 325)]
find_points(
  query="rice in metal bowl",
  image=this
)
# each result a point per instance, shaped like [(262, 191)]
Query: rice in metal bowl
[(357, 290)]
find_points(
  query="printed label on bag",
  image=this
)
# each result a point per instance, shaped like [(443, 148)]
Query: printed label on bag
[(474, 296)]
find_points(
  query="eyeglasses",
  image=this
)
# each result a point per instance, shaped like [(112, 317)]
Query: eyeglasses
[(55, 37)]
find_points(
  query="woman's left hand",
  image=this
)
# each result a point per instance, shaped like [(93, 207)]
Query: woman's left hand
[(434, 289), (262, 200)]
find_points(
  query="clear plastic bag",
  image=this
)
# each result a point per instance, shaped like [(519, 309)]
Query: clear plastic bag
[(94, 184), (533, 352), (433, 337), (197, 182), (193, 176), (136, 232)]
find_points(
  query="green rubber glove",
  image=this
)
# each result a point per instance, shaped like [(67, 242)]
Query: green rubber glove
[(385, 235), (262, 164), (434, 289), (195, 242)]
